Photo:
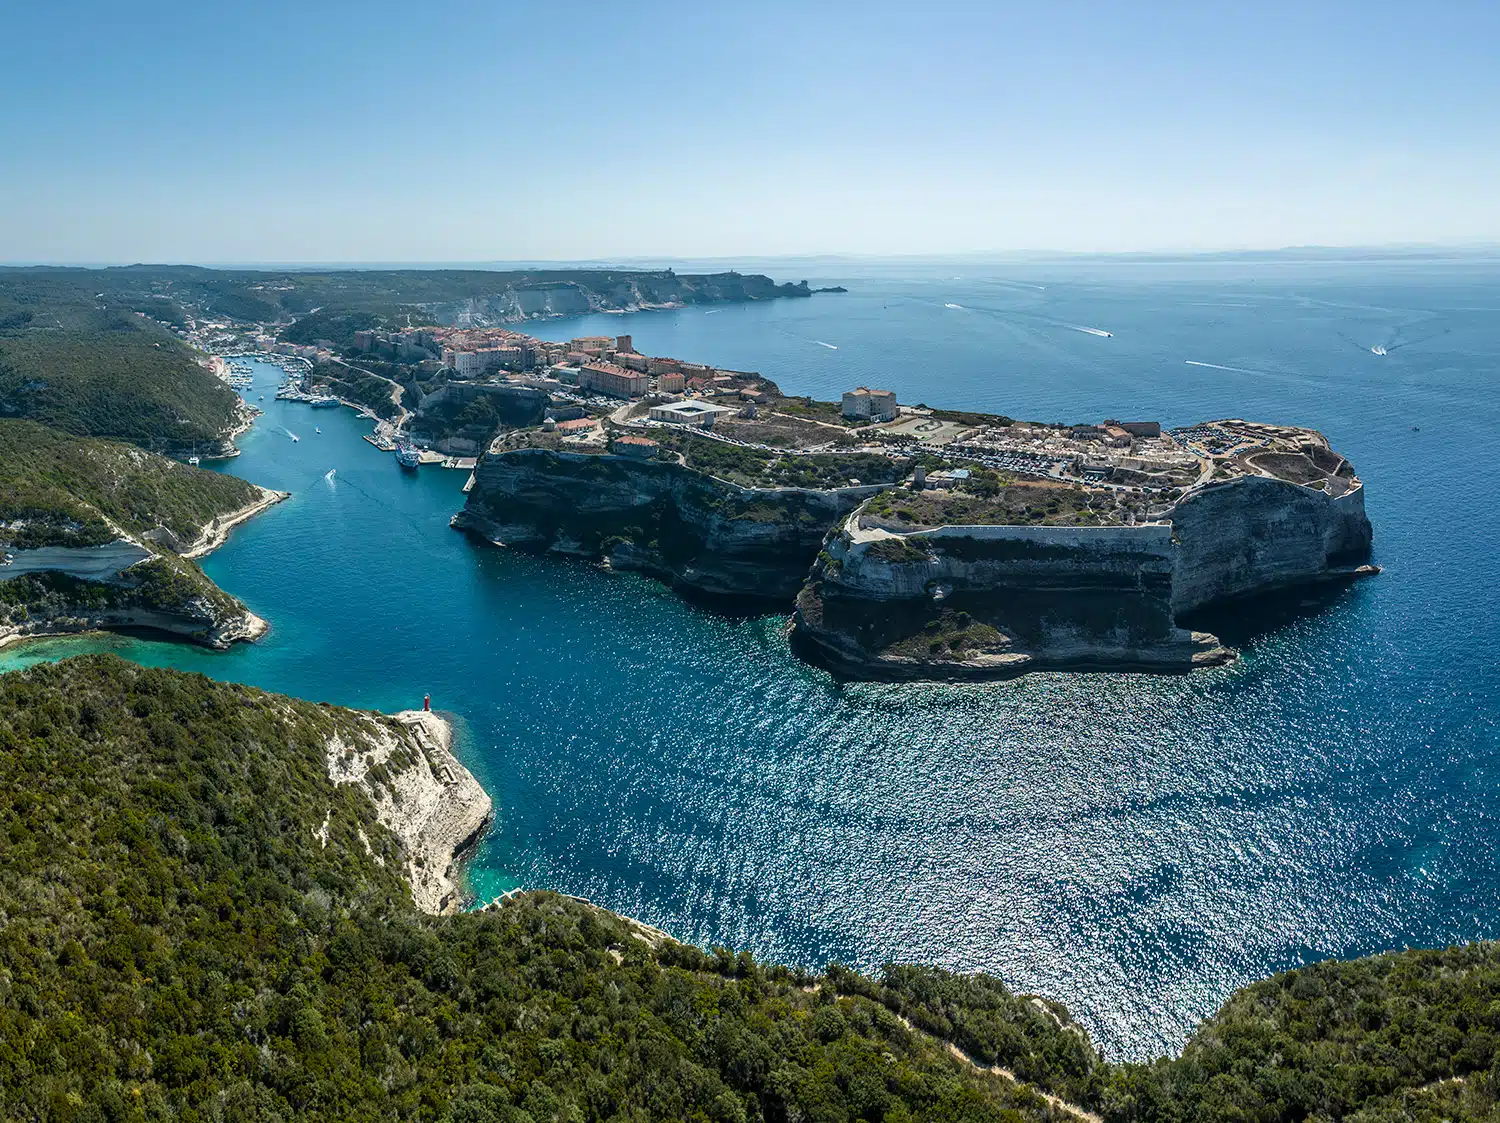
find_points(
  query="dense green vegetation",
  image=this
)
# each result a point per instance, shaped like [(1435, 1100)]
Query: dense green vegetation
[(389, 296), (180, 943), (163, 584), (235, 300), (335, 326), (820, 470), (59, 490), (753, 467), (129, 382), (1409, 1035), (353, 385), (744, 466)]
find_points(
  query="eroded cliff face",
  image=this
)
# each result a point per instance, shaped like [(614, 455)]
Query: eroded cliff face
[(989, 601), (693, 531), (421, 793), (984, 601), (199, 620), (58, 590), (950, 602), (1254, 535)]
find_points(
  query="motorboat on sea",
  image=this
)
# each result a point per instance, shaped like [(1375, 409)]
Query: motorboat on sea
[(408, 457), (317, 429), (194, 461)]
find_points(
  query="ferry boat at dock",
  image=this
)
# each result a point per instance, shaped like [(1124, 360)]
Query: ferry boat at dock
[(408, 457), (324, 403)]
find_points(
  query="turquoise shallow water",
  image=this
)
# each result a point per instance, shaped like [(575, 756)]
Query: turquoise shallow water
[(1134, 846)]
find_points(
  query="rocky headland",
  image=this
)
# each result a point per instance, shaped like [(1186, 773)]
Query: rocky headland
[(951, 568), (200, 619), (981, 601), (420, 793), (96, 534)]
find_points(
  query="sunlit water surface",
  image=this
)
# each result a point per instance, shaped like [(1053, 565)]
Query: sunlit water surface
[(1135, 846)]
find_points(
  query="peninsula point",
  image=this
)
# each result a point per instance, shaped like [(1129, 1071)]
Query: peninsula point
[(910, 542)]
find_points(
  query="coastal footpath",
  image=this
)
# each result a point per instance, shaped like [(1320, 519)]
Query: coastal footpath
[(213, 896)]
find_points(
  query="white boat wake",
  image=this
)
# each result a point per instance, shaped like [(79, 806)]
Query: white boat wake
[(1217, 366), (960, 307), (820, 343), (1377, 350), (1093, 331)]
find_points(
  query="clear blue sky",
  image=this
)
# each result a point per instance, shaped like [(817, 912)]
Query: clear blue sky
[(456, 131)]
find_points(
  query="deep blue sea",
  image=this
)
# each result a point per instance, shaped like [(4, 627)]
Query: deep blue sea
[(1135, 846)]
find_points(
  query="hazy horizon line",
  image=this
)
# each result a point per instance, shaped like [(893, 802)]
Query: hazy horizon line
[(1393, 249)]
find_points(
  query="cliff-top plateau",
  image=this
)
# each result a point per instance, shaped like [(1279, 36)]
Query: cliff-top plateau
[(926, 543)]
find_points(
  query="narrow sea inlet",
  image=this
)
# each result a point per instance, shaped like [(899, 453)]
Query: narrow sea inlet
[(1135, 846)]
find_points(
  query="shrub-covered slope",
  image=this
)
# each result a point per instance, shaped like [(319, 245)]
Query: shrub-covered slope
[(200, 925), (60, 490), (1406, 1036), (125, 381)]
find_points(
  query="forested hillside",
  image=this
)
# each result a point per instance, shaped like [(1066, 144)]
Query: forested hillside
[(58, 490), (334, 303), (109, 374), (1412, 1035), (61, 490), (200, 925)]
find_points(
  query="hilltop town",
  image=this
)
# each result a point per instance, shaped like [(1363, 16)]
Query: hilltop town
[(913, 541), (604, 395)]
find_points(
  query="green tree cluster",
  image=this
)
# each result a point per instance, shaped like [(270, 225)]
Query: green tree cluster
[(60, 490), (197, 929), (128, 384), (200, 925)]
